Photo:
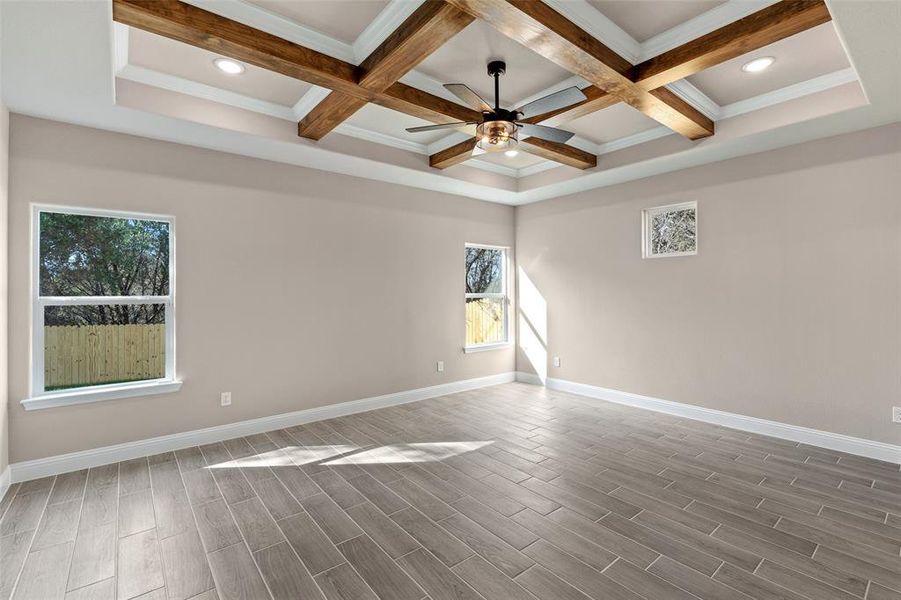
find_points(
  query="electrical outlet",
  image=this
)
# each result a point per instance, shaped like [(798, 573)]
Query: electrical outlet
[(896, 414), (226, 398), (556, 361), (440, 366)]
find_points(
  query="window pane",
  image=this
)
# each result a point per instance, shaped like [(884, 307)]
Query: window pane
[(103, 344), (485, 322), (673, 231), (103, 256), (484, 271)]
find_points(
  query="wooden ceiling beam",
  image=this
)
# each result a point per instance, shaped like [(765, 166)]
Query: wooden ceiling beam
[(762, 28), (423, 32), (453, 155), (545, 31), (202, 29), (209, 31), (753, 32), (561, 153)]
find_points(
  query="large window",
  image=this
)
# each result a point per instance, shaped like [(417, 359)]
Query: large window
[(103, 312), (486, 296)]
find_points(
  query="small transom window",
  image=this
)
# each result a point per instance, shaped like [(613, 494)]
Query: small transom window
[(670, 230)]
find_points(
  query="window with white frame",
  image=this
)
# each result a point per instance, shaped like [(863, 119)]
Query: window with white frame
[(103, 302), (670, 230), (486, 296)]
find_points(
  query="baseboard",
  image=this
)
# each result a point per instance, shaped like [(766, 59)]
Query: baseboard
[(532, 378), (64, 463), (4, 482), (814, 437)]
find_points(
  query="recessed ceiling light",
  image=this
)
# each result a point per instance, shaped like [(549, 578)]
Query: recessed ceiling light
[(511, 153), (229, 66), (758, 64)]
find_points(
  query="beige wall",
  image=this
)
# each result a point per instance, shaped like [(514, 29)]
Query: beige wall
[(4, 263), (296, 288), (791, 311), (4, 346)]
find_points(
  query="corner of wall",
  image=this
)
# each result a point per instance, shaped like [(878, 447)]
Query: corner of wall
[(4, 207)]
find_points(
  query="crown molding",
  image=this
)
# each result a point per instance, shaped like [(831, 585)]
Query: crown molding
[(181, 85), (791, 92), (696, 98), (447, 141), (380, 138), (713, 19), (311, 98), (120, 47), (491, 167), (277, 25), (382, 26), (539, 167), (634, 139)]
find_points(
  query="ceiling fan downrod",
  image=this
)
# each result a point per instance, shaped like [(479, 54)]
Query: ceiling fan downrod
[(496, 68)]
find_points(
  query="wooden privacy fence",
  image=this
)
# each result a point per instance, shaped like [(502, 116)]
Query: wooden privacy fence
[(484, 322), (84, 355)]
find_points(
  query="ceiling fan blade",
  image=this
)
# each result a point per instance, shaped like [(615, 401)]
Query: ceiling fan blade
[(468, 96), (551, 134), (552, 102), (456, 125)]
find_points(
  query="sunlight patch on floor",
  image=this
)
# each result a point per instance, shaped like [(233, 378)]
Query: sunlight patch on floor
[(409, 453), (290, 456)]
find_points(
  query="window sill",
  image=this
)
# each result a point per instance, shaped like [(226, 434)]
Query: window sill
[(486, 347), (99, 394)]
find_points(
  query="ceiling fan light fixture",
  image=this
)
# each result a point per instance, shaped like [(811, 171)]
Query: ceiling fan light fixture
[(496, 136), (511, 153)]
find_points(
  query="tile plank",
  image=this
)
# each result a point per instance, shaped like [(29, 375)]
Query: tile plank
[(285, 575), (378, 570)]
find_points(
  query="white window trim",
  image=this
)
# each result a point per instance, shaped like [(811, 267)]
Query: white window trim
[(647, 215), (468, 349), (38, 398)]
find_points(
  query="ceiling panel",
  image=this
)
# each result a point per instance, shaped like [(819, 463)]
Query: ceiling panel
[(464, 59), (389, 122), (643, 19), (343, 20), (522, 158), (815, 52), (174, 58), (612, 123)]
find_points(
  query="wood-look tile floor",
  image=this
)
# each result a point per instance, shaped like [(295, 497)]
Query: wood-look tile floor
[(512, 492)]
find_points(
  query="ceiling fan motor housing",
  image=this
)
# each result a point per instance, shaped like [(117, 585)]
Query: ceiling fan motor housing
[(496, 68)]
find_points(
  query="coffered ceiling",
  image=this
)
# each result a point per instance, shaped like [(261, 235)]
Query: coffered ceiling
[(812, 78)]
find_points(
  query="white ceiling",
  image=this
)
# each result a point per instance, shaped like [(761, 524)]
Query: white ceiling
[(465, 57), (39, 35), (802, 57), (343, 20), (174, 58), (612, 123), (643, 19)]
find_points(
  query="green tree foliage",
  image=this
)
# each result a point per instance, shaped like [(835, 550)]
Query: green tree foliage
[(103, 256)]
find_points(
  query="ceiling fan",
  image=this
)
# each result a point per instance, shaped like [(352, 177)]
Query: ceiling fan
[(499, 128)]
